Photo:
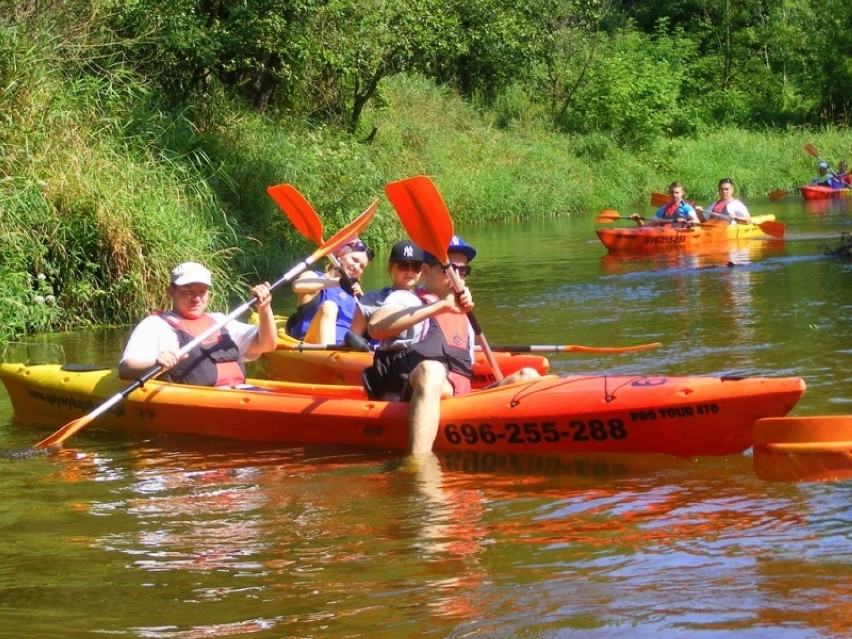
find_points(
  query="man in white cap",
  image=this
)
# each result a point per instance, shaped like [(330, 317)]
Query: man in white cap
[(220, 359)]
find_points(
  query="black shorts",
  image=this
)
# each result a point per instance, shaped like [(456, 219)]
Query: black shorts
[(390, 372)]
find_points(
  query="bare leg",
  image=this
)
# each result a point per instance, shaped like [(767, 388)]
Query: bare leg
[(429, 384), (323, 328)]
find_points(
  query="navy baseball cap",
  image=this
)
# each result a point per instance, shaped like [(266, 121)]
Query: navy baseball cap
[(456, 244)]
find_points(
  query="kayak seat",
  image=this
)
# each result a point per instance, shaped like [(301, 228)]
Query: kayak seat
[(84, 368), (371, 381)]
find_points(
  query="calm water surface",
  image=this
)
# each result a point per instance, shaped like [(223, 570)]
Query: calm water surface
[(170, 538)]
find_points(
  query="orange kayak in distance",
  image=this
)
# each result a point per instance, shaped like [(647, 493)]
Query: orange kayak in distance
[(654, 239), (682, 416)]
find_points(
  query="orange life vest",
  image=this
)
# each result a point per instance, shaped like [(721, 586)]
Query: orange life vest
[(214, 362)]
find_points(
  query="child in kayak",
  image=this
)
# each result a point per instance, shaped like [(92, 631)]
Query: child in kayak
[(426, 349), (326, 301)]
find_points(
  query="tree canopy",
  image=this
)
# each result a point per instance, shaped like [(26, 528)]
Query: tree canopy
[(638, 69)]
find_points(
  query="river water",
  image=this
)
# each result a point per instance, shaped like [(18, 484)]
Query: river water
[(131, 536)]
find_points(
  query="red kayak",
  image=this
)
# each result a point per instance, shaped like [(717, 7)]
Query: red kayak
[(813, 192)]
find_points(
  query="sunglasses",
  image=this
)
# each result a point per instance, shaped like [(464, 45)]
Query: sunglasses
[(408, 265), (462, 269)]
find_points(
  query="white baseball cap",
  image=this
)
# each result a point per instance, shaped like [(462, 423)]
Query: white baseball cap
[(191, 273)]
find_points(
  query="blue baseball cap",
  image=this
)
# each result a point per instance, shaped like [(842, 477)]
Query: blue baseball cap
[(456, 244)]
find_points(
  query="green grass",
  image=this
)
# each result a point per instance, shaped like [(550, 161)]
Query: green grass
[(103, 190)]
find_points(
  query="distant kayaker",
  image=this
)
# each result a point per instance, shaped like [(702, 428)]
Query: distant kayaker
[(326, 301), (673, 211), (220, 360), (727, 207), (404, 265), (826, 177), (843, 174), (426, 349)]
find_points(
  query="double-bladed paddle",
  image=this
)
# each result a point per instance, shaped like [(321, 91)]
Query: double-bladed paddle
[(428, 223), (337, 240), (611, 215), (811, 150), (519, 348)]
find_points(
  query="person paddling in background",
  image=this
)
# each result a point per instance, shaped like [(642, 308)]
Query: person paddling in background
[(426, 349), (326, 301), (826, 177), (843, 175), (404, 265), (220, 360), (727, 207), (675, 210)]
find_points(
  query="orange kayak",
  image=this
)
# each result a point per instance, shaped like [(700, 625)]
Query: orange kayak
[(811, 448), (683, 416), (654, 239)]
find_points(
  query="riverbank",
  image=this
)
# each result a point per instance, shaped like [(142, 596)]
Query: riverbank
[(97, 205)]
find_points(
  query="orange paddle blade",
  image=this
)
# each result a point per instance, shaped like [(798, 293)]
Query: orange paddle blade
[(423, 214), (64, 433), (810, 149), (658, 199), (779, 194), (298, 209), (608, 215), (347, 233), (775, 229)]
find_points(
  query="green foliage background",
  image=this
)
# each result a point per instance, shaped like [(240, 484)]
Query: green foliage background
[(141, 133)]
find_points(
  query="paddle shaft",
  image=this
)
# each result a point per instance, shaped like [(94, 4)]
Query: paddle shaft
[(335, 242), (505, 348)]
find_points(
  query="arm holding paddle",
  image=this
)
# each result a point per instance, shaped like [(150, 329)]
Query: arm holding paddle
[(391, 320), (443, 365), (727, 207)]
